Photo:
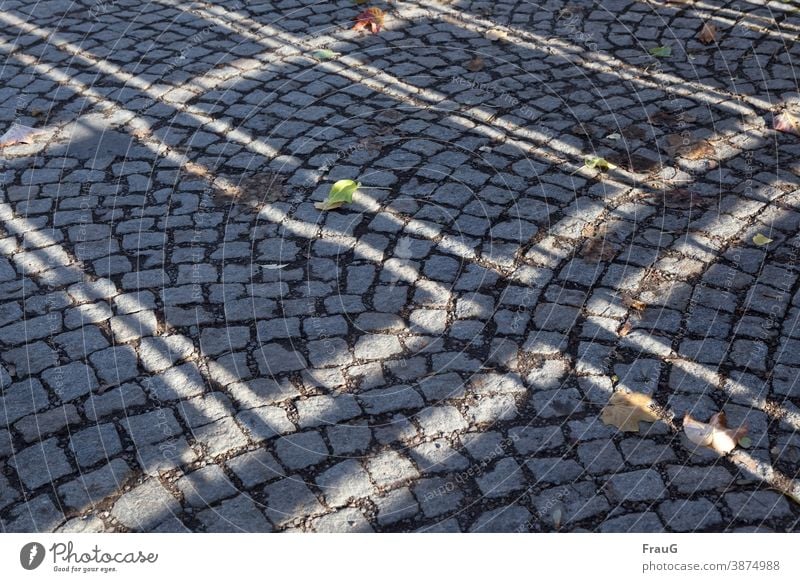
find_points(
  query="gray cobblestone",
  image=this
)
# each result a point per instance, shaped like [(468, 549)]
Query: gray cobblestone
[(145, 506)]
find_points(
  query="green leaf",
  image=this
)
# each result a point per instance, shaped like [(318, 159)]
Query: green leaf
[(342, 191), (324, 54), (661, 51), (761, 240), (600, 163)]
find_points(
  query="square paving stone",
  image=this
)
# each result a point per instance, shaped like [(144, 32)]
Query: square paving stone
[(92, 488), (301, 450), (204, 486), (290, 499), (255, 467), (41, 463), (145, 506), (70, 381), (95, 443), (239, 514)]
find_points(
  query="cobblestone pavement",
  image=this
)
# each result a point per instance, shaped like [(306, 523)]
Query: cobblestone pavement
[(188, 344)]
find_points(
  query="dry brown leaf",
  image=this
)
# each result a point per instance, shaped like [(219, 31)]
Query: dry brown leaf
[(598, 249), (625, 329), (715, 434), (701, 150), (371, 19), (787, 123), (18, 133), (626, 410), (635, 304), (475, 65), (708, 33)]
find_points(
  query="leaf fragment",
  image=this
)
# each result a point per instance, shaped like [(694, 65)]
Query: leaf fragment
[(636, 305), (626, 410), (599, 163), (476, 64), (761, 240), (787, 123), (325, 54), (496, 34), (18, 133), (714, 434), (708, 34), (326, 205), (661, 51), (372, 18)]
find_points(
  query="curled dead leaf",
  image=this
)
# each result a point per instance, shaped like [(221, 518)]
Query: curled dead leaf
[(626, 410), (18, 133), (496, 34), (636, 305), (708, 34), (714, 434), (787, 123), (625, 329), (371, 18), (475, 65)]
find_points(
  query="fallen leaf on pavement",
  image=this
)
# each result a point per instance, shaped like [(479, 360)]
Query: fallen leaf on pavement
[(18, 133), (324, 54), (715, 434), (787, 123), (341, 193), (371, 18), (327, 205), (761, 240), (635, 304), (625, 329), (626, 410), (475, 65), (698, 151), (600, 163), (496, 34), (598, 249), (661, 51), (708, 33)]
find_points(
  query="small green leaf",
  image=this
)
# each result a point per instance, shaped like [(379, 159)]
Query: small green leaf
[(600, 163), (324, 54), (761, 240), (342, 191), (745, 442), (661, 51)]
